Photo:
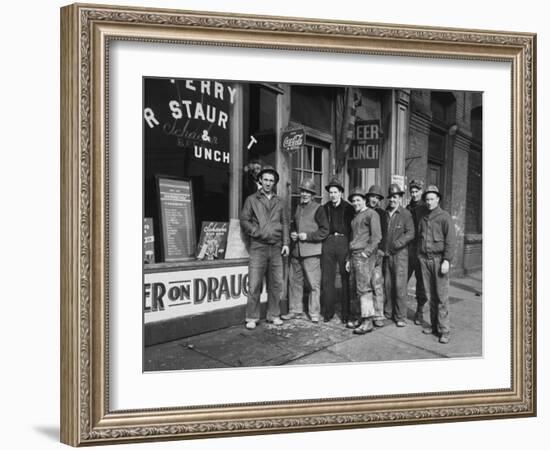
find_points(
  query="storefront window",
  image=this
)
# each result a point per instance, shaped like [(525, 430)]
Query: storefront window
[(260, 132), (201, 138), (307, 163), (186, 135)]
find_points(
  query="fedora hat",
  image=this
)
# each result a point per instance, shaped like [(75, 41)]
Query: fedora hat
[(334, 182), (357, 191), (432, 188), (308, 185), (376, 191), (268, 169), (418, 184), (395, 189)]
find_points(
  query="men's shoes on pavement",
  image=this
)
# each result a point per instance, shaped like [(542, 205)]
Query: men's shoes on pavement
[(400, 323), (418, 318), (379, 323), (444, 339), (276, 321), (364, 328), (290, 316), (352, 324), (315, 319), (250, 325), (429, 331)]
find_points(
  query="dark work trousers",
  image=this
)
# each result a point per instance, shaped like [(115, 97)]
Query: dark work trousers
[(437, 291), (414, 267), (265, 261), (335, 250), (395, 282)]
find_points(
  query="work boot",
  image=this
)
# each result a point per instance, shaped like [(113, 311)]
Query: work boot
[(445, 338), (276, 321), (291, 316), (364, 328), (429, 331), (379, 323), (419, 317), (352, 324), (400, 323), (250, 325)]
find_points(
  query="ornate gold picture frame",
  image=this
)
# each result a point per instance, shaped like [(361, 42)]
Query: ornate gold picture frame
[(87, 32)]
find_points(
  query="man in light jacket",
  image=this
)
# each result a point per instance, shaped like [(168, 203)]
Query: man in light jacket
[(264, 220)]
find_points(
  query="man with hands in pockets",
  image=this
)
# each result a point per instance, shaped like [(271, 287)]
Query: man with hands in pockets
[(265, 222)]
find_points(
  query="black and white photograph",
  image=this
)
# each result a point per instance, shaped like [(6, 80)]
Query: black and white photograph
[(299, 224)]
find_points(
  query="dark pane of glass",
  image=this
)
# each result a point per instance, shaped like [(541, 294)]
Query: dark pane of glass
[(268, 109), (318, 182), (295, 181), (295, 159), (318, 159), (308, 158)]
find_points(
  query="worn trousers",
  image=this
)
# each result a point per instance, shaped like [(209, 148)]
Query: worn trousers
[(305, 269), (335, 250), (395, 281), (377, 282), (414, 267), (264, 260), (362, 269), (437, 292)]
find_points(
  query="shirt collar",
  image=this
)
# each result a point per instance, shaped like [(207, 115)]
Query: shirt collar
[(261, 194)]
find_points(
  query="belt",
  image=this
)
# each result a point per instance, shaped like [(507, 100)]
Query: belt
[(337, 234)]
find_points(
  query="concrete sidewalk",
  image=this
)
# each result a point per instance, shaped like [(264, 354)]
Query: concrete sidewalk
[(303, 342)]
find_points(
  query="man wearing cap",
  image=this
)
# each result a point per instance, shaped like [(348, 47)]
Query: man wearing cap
[(416, 207), (436, 247), (310, 229), (365, 237), (264, 220), (335, 250), (374, 197), (400, 231)]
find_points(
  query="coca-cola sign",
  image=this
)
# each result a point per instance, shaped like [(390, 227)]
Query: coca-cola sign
[(293, 140)]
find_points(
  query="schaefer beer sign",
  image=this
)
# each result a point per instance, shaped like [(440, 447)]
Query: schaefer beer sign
[(293, 140), (364, 151)]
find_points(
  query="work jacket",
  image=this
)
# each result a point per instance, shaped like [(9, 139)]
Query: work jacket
[(265, 220), (365, 232), (399, 231), (311, 219), (436, 234), (417, 209)]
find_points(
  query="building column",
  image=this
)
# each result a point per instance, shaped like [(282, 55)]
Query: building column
[(456, 203), (282, 160), (401, 131), (236, 146)]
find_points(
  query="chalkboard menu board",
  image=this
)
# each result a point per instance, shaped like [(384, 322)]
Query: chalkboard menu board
[(177, 218)]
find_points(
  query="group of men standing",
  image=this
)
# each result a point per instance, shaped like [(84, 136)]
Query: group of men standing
[(376, 250)]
